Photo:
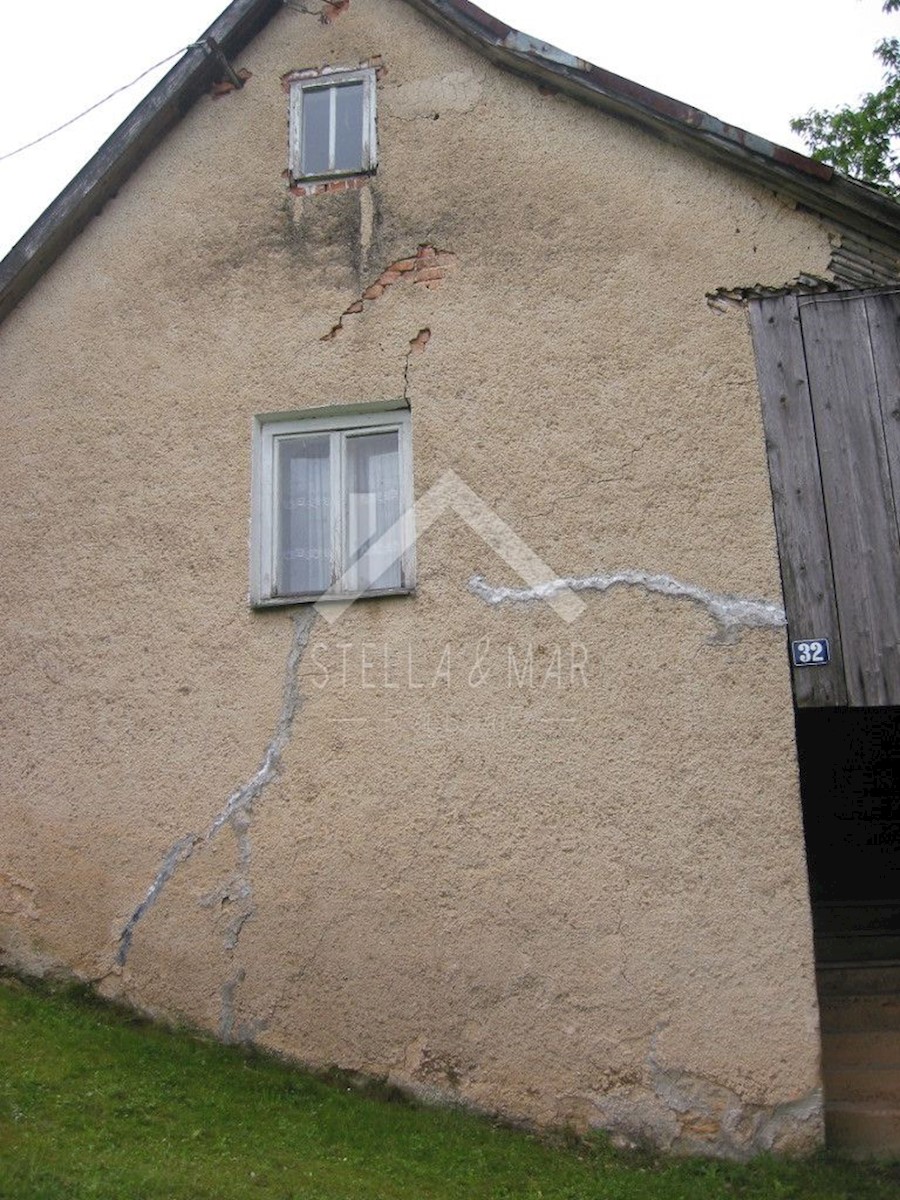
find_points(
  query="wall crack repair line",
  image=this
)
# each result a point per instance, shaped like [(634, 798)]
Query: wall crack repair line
[(238, 807), (730, 613)]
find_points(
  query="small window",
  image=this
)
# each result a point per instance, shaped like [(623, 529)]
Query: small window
[(332, 127), (332, 496)]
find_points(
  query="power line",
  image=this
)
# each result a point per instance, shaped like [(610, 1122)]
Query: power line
[(123, 88)]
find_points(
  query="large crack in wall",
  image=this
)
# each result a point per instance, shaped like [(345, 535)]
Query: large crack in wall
[(730, 613), (669, 1106), (238, 808), (427, 268)]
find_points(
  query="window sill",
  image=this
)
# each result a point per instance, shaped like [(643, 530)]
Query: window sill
[(341, 183), (328, 598)]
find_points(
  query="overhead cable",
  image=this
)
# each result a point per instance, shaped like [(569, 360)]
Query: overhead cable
[(123, 88)]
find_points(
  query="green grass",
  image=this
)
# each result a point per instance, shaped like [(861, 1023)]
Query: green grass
[(97, 1103)]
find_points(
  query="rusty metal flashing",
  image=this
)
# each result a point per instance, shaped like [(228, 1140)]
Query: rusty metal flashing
[(814, 185), (853, 206)]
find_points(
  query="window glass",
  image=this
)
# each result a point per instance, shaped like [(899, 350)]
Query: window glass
[(372, 509), (348, 127), (303, 520), (316, 130)]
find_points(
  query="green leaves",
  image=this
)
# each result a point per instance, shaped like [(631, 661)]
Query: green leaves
[(863, 141)]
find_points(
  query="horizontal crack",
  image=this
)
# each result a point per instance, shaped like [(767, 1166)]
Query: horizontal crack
[(730, 613)]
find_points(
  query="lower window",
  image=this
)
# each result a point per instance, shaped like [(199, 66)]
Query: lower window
[(332, 497)]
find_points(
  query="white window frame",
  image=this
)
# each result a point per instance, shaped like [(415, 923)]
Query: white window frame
[(340, 421), (332, 77)]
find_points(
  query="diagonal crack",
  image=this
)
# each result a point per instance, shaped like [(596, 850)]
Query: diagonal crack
[(237, 808)]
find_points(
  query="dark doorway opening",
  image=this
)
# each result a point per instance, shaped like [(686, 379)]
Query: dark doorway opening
[(850, 786)]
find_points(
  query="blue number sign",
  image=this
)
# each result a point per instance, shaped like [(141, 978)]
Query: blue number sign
[(813, 652)]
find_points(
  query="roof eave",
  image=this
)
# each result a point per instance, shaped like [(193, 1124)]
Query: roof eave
[(812, 184), (126, 148)]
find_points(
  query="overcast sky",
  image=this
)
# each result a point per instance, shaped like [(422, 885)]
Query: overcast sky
[(755, 65)]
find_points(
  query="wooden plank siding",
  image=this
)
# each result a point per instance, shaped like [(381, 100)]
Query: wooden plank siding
[(883, 313), (803, 546), (829, 377)]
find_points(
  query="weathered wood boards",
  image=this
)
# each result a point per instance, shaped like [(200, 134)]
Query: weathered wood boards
[(829, 375)]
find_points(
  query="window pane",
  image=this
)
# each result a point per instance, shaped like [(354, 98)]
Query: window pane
[(316, 109), (372, 499), (348, 135), (304, 515)]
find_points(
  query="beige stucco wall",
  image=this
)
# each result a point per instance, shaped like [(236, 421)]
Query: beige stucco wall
[(578, 901)]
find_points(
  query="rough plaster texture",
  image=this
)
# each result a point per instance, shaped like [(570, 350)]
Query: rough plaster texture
[(576, 895)]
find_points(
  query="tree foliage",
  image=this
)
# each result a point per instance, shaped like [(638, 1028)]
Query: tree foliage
[(863, 140)]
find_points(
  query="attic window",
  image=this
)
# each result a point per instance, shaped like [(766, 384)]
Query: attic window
[(332, 126)]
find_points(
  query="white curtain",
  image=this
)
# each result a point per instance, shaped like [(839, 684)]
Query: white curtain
[(372, 507), (304, 516)]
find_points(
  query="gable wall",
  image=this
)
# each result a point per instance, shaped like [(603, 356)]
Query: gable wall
[(580, 901)]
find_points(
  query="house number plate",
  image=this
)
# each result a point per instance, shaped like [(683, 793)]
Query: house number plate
[(813, 652)]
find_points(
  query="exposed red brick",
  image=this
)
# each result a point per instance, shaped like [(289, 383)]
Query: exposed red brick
[(351, 184), (420, 341), (427, 268), (225, 86), (332, 9)]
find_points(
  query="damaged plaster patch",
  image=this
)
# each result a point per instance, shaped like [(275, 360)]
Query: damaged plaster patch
[(237, 809), (417, 345), (230, 1028), (425, 269), (731, 613), (426, 99), (17, 898), (684, 1113), (232, 900), (723, 299), (326, 10), (687, 1113)]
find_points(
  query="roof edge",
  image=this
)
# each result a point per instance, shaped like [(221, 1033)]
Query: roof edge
[(123, 151), (816, 185), (811, 184)]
